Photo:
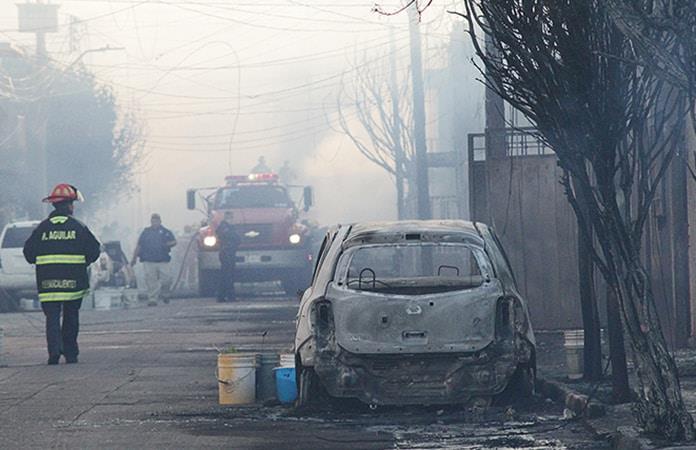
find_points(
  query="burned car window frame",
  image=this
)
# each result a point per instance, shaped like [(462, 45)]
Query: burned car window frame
[(344, 259)]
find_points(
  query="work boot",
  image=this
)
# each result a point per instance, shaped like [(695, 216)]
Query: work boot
[(53, 360)]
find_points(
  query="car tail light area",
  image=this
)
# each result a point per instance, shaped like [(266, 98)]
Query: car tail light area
[(504, 318), (510, 318), (323, 321)]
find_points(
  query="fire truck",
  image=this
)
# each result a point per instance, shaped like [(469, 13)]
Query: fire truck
[(275, 244)]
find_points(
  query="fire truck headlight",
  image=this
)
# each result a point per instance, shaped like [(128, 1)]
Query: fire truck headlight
[(210, 241), (295, 238)]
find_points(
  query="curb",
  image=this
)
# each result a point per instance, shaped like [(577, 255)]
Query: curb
[(623, 438), (628, 438), (578, 405)]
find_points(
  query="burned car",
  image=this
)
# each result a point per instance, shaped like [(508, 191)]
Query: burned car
[(413, 312)]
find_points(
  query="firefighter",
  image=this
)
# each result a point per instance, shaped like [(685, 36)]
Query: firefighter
[(229, 241), (261, 166), (62, 247)]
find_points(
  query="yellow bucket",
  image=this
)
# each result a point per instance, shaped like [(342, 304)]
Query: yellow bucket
[(236, 376)]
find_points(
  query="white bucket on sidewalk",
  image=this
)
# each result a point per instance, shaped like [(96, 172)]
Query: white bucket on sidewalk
[(287, 360), (236, 376), (574, 344), (29, 304), (107, 298)]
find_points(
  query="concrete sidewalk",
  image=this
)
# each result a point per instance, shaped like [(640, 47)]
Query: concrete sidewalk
[(613, 422)]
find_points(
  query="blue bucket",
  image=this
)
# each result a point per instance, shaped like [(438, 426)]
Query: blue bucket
[(286, 388)]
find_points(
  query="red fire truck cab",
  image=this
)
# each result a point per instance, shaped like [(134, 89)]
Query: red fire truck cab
[(275, 244)]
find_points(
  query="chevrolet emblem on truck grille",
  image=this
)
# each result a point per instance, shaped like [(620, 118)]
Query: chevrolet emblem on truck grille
[(252, 234)]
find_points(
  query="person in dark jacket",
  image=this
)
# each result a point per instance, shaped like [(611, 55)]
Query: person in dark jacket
[(154, 245), (62, 247), (229, 241)]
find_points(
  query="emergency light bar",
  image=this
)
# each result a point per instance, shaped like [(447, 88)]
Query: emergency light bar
[(252, 177)]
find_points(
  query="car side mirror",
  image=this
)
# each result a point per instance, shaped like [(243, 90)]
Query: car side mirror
[(308, 198), (191, 199)]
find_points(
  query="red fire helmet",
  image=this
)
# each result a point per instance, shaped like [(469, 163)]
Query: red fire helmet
[(64, 192)]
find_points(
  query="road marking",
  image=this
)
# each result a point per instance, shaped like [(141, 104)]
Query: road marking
[(117, 332)]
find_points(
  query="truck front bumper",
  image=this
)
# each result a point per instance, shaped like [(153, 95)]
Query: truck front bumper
[(250, 260)]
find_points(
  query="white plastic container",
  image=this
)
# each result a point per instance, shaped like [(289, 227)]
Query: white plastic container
[(29, 304), (574, 344), (287, 360), (236, 376), (107, 298)]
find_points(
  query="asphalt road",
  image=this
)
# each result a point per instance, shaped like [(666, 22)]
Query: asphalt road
[(146, 379)]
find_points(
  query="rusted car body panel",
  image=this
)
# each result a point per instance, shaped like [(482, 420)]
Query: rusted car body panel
[(437, 348)]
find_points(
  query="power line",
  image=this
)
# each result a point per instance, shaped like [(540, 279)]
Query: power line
[(90, 19)]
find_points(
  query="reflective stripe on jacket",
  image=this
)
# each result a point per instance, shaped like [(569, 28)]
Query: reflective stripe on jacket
[(62, 248)]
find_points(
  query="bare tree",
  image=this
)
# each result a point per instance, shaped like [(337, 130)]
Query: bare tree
[(664, 32), (614, 129), (383, 112)]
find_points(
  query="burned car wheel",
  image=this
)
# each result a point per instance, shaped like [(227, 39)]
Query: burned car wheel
[(522, 385), (310, 392), (524, 381)]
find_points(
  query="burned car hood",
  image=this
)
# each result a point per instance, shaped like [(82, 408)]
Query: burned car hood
[(373, 323)]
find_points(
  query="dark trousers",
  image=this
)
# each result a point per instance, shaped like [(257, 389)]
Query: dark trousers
[(62, 338), (226, 284)]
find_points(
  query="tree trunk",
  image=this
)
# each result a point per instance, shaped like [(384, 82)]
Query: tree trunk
[(621, 390), (592, 350), (400, 207), (659, 408)]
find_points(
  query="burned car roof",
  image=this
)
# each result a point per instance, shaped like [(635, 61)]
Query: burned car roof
[(453, 231)]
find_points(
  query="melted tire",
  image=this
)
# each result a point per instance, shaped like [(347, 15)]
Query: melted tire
[(311, 395), (522, 386), (308, 391)]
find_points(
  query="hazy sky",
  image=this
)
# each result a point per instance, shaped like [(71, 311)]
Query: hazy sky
[(218, 83)]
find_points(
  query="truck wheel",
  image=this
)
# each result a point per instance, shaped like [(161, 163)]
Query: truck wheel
[(208, 282)]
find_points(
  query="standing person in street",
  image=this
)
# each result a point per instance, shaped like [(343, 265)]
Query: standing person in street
[(154, 244), (261, 166), (62, 247), (286, 174), (229, 242)]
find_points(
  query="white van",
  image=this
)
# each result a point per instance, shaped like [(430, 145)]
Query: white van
[(16, 274)]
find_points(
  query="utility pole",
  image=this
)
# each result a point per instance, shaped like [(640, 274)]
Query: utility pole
[(39, 18), (421, 150), (399, 160)]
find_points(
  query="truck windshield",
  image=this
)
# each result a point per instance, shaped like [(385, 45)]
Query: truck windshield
[(252, 197), (413, 269)]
